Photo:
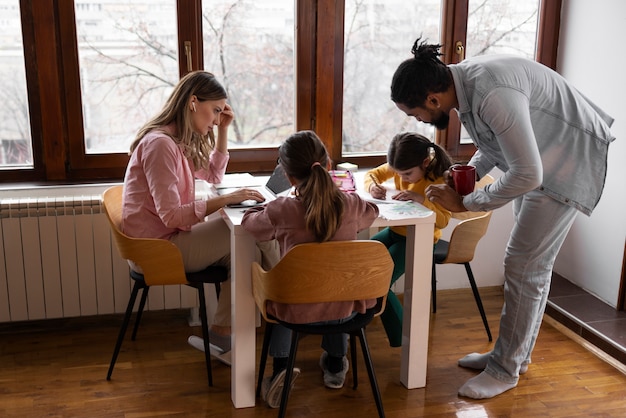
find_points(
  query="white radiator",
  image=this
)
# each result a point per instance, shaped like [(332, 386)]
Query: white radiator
[(57, 259)]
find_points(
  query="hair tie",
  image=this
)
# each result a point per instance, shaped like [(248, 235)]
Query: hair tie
[(314, 164)]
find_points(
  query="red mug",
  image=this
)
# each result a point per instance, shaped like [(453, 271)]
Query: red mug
[(464, 177)]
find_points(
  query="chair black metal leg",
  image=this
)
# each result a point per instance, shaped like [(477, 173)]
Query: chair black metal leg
[(295, 338), (370, 371), (355, 377), (433, 287), (218, 289), (120, 336), (142, 304), (205, 331), (479, 302), (264, 350)]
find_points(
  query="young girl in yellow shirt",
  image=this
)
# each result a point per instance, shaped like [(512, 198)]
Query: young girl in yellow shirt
[(414, 163)]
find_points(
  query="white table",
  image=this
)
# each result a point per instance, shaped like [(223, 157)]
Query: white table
[(416, 304)]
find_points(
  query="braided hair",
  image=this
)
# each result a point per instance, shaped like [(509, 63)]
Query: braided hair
[(417, 77)]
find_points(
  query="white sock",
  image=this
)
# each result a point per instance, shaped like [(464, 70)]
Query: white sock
[(484, 386), (478, 361), (475, 361)]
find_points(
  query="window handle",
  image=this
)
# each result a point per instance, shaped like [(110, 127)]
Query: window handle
[(460, 50), (188, 54)]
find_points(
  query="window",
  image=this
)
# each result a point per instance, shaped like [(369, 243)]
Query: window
[(501, 27), (249, 46), (128, 64), (92, 71), (528, 28), (378, 37), (16, 151)]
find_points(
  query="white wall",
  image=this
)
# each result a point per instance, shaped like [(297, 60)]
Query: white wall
[(591, 55)]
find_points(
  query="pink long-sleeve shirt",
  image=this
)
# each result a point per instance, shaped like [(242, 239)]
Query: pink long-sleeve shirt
[(283, 219), (159, 187)]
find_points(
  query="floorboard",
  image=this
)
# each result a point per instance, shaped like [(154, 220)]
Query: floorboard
[(57, 368)]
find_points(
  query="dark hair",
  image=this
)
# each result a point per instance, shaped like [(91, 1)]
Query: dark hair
[(410, 149), (417, 77), (304, 157)]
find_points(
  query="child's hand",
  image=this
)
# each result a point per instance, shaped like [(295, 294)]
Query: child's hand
[(408, 195), (378, 192)]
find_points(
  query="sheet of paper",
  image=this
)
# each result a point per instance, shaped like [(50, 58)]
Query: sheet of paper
[(240, 180), (388, 197), (402, 210), (235, 181)]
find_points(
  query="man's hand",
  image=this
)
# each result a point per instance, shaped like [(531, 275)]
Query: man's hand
[(446, 196)]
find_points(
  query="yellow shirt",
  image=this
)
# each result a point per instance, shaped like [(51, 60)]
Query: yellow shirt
[(384, 172)]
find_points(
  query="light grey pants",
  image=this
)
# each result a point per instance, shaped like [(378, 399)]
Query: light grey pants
[(541, 225)]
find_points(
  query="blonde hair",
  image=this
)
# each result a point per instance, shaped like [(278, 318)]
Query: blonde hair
[(304, 157), (196, 147)]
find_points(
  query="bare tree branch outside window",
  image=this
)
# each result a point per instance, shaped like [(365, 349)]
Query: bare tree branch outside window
[(249, 47), (128, 65), (15, 137)]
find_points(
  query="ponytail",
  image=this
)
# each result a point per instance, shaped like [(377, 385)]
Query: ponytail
[(304, 157), (324, 204), (439, 164)]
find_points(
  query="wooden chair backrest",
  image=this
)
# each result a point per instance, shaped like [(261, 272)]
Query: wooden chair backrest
[(332, 271), (469, 231), (465, 237), (160, 260)]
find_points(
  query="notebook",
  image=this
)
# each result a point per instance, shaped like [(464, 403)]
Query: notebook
[(277, 183)]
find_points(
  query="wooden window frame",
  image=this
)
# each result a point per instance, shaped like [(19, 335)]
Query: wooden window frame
[(454, 28), (52, 74)]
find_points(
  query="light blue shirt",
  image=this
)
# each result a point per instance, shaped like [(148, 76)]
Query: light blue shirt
[(528, 121)]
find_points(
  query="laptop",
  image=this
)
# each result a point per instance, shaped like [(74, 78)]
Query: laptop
[(277, 184)]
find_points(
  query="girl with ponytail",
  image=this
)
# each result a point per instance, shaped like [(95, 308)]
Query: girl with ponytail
[(414, 163), (318, 212)]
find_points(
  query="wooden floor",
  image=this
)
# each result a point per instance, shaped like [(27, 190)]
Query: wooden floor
[(57, 369)]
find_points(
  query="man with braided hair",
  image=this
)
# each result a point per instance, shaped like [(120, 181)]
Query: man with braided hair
[(551, 143)]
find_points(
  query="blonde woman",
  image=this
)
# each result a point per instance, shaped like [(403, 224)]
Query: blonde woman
[(170, 151)]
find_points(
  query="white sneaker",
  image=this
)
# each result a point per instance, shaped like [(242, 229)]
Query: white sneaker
[(334, 380), (198, 343)]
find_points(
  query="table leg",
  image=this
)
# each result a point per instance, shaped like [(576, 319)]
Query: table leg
[(416, 317), (243, 311)]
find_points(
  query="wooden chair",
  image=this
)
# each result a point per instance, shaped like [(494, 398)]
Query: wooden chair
[(461, 248), (162, 264), (325, 272)]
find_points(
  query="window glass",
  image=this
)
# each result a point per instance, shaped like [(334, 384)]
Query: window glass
[(128, 58), (378, 37), (249, 46), (501, 27), (15, 136)]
